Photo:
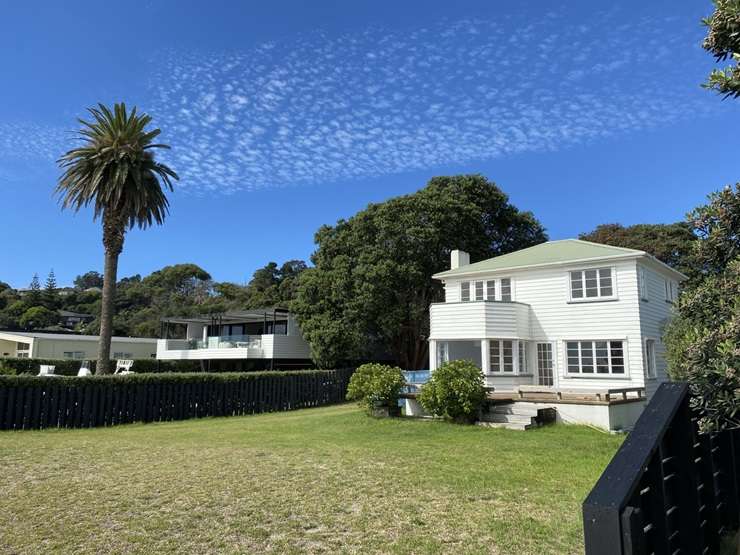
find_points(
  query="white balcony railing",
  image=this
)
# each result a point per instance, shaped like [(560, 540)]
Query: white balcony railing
[(215, 342)]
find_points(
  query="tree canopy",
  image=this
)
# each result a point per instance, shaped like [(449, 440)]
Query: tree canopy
[(371, 284), (669, 243), (723, 41), (703, 340)]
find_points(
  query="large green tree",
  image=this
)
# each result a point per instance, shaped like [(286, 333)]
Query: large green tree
[(116, 172), (371, 284), (723, 41), (669, 243), (703, 340)]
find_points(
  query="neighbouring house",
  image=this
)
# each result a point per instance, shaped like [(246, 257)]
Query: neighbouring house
[(570, 321), (22, 344), (238, 340), (68, 319)]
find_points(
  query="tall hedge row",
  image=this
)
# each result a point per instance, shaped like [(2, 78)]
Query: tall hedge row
[(33, 402), (67, 367)]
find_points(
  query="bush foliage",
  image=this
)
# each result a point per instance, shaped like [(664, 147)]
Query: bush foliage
[(373, 384), (68, 367), (455, 391)]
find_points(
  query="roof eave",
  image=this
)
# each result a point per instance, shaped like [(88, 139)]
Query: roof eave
[(455, 273)]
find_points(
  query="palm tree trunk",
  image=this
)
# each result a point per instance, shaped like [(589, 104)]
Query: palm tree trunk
[(113, 234)]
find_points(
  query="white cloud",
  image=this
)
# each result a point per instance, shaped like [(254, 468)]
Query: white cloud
[(321, 109)]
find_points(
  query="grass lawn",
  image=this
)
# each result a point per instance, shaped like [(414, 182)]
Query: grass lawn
[(320, 480)]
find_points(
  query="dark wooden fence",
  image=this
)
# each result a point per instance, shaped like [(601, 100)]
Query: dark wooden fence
[(63, 402), (668, 489)]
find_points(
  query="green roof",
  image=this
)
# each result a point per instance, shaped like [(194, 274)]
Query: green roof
[(552, 252)]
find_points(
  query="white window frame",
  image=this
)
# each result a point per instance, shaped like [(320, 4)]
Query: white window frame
[(462, 288), (121, 355), (651, 370), (479, 287), (642, 283), (74, 355), (443, 353), (516, 369), (671, 290), (595, 375), (599, 298)]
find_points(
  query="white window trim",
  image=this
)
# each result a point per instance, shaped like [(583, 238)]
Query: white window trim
[(497, 289), (554, 360), (610, 376), (516, 371), (615, 292), (642, 284), (653, 359)]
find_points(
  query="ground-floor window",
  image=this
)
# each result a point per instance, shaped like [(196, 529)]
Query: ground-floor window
[(123, 356), (74, 354), (502, 359), (650, 370), (443, 353), (595, 357)]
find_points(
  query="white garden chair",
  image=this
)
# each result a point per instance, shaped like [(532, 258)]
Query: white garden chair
[(84, 369), (47, 370), (124, 367)]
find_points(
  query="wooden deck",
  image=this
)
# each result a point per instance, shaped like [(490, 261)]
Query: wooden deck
[(539, 394)]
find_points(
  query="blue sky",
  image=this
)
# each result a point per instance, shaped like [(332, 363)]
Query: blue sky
[(284, 116)]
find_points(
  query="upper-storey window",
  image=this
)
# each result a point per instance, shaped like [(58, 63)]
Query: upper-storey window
[(642, 281), (465, 291), (671, 290), (597, 283), (489, 290), (478, 290), (506, 289)]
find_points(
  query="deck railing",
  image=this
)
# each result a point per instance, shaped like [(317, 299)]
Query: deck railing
[(669, 489), (216, 342)]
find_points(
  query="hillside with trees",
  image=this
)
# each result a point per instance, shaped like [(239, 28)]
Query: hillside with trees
[(140, 302)]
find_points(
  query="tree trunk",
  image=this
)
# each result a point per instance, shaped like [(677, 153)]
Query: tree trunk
[(113, 233)]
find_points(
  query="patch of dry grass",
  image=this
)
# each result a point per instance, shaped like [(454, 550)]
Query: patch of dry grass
[(319, 480)]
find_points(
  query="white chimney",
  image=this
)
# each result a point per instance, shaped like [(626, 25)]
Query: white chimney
[(459, 258)]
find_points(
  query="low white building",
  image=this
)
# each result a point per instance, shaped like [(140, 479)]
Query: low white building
[(259, 338), (21, 344), (561, 319)]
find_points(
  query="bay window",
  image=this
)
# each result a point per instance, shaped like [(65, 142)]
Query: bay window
[(502, 359)]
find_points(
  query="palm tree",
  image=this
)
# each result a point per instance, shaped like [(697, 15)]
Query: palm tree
[(115, 172)]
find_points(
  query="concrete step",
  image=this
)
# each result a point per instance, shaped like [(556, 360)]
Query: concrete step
[(513, 418), (514, 409)]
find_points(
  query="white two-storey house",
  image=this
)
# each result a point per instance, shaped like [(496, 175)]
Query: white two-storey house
[(566, 315)]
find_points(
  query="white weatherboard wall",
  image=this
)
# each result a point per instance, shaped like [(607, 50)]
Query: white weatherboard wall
[(479, 319), (654, 314), (552, 318), (53, 346)]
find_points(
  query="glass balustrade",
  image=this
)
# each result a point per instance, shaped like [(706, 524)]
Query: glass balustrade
[(226, 342)]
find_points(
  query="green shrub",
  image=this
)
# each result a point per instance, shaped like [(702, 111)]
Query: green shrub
[(455, 391), (70, 367), (375, 384)]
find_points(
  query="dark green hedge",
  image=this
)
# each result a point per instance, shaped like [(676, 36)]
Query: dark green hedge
[(67, 367), (31, 402)]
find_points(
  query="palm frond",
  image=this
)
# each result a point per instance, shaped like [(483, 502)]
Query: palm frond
[(114, 170)]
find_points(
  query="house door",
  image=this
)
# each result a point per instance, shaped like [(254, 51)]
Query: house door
[(544, 364)]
